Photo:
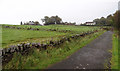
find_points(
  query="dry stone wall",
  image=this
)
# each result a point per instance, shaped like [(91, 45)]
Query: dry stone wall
[(36, 29), (24, 48)]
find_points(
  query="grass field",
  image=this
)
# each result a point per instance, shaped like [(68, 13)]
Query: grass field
[(15, 36), (42, 59), (75, 29), (37, 59)]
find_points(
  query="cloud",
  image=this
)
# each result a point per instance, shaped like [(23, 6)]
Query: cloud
[(14, 11)]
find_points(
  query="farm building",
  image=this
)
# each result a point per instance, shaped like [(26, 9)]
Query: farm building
[(90, 23), (32, 23)]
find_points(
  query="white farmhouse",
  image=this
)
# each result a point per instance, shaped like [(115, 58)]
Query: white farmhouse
[(31, 23), (90, 23)]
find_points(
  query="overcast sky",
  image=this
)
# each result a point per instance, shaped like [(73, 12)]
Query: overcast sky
[(79, 11)]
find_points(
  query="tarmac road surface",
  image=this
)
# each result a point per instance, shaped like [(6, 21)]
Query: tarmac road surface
[(95, 55)]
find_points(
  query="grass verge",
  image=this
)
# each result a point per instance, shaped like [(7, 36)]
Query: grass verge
[(42, 59), (115, 64)]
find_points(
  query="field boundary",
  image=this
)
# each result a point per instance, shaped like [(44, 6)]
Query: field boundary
[(24, 48), (36, 29)]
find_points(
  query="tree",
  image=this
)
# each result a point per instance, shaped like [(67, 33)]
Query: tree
[(21, 23), (58, 20), (46, 20), (109, 20), (51, 20), (36, 23), (116, 19), (97, 21), (103, 21)]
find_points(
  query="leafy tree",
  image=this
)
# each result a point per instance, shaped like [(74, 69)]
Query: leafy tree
[(109, 20), (97, 21), (58, 20), (116, 19), (45, 20), (103, 21), (51, 20), (21, 23), (36, 23)]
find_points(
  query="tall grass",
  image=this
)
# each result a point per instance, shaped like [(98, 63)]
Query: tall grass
[(115, 64)]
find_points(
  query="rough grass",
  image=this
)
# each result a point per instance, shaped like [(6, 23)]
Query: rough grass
[(12, 36), (15, 36), (74, 29), (115, 64), (42, 59)]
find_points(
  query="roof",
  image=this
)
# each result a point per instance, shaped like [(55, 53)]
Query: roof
[(89, 22)]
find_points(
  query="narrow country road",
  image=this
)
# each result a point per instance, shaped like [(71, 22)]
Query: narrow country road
[(95, 55)]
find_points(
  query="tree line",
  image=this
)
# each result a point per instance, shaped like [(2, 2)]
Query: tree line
[(110, 20), (49, 21), (55, 20)]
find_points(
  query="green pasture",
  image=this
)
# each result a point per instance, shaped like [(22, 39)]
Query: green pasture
[(15, 36), (75, 29), (37, 59), (42, 59)]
